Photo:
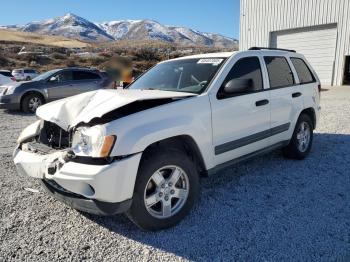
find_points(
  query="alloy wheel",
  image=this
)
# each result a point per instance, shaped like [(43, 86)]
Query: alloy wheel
[(34, 103), (303, 136), (166, 191)]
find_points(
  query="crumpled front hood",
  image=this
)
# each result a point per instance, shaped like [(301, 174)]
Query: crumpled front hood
[(71, 111)]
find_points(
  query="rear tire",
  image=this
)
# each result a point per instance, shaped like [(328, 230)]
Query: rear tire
[(300, 144), (31, 102), (168, 182)]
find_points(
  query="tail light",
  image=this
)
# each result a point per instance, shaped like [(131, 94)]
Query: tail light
[(13, 79)]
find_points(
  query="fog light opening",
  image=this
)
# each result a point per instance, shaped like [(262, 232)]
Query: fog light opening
[(88, 190)]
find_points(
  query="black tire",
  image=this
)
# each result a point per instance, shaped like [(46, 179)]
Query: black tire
[(26, 102), (150, 163), (293, 150), (28, 78)]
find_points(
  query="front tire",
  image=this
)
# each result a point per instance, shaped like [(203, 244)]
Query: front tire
[(300, 144), (31, 102), (166, 188)]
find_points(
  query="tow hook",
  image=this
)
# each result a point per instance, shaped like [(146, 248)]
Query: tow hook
[(57, 163), (68, 156), (54, 166)]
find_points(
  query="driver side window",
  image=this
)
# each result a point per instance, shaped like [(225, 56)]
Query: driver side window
[(62, 77), (245, 77)]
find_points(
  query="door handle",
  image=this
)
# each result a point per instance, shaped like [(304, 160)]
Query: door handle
[(297, 94), (262, 102)]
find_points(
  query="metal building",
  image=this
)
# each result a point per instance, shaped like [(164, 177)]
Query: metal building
[(319, 29)]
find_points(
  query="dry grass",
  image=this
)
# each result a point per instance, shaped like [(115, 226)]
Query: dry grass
[(24, 37)]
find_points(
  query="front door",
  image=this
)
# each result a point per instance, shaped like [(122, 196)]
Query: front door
[(241, 120), (60, 85)]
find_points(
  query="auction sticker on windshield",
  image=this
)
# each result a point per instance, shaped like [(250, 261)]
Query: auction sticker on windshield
[(213, 61)]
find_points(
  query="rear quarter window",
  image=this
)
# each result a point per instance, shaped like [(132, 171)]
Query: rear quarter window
[(280, 74), (303, 71)]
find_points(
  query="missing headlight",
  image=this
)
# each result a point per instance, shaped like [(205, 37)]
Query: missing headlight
[(54, 136)]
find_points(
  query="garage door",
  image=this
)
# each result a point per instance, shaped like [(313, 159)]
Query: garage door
[(317, 44)]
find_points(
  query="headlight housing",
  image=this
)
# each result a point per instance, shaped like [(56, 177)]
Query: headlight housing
[(92, 141), (30, 131), (9, 90)]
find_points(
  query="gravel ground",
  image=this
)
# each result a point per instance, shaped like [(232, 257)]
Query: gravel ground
[(267, 209)]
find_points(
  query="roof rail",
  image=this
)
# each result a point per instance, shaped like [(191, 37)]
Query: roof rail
[(271, 48)]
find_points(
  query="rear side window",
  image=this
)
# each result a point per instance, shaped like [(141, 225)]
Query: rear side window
[(303, 71), (85, 75), (247, 68), (280, 74)]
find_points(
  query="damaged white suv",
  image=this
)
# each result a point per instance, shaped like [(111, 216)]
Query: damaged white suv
[(141, 150)]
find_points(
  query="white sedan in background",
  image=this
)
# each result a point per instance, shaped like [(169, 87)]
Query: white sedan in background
[(6, 80)]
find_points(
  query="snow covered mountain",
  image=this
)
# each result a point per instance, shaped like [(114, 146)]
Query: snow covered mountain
[(71, 26), (76, 27)]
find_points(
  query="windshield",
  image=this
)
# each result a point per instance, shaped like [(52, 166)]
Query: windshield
[(186, 75), (45, 75)]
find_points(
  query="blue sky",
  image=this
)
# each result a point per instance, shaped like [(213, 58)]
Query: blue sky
[(220, 16)]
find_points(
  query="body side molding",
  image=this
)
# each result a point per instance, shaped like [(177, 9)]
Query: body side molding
[(220, 149)]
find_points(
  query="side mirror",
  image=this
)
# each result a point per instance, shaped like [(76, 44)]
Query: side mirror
[(53, 79), (238, 86)]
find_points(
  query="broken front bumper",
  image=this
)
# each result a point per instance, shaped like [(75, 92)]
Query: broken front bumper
[(83, 186)]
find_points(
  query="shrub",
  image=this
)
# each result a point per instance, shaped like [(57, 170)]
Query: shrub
[(147, 54), (58, 56), (71, 63), (3, 60), (96, 61)]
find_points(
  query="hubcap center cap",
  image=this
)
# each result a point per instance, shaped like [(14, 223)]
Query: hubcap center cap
[(167, 191)]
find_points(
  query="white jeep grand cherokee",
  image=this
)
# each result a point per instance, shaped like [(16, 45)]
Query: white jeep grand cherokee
[(142, 150)]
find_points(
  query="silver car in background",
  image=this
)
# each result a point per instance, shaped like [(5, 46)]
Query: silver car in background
[(24, 74), (50, 86)]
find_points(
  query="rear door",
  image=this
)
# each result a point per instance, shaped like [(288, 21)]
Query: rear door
[(306, 93), (241, 121), (283, 91), (85, 81)]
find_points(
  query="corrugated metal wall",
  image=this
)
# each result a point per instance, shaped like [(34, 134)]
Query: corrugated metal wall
[(261, 17)]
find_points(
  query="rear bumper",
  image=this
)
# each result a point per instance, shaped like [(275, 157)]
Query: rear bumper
[(84, 204)]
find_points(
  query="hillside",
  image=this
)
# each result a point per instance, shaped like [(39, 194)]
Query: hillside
[(76, 27), (25, 37)]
